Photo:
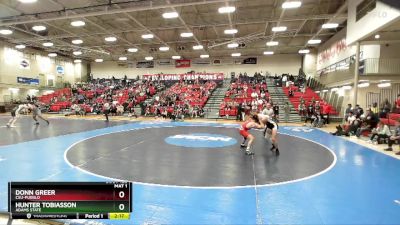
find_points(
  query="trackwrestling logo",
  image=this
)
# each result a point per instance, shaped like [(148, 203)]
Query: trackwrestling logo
[(200, 140)]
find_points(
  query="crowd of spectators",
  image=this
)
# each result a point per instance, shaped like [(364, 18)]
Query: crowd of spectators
[(250, 95), (183, 99), (122, 95), (374, 122), (317, 112)]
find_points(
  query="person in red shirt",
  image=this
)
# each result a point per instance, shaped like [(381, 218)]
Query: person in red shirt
[(398, 104), (252, 122), (326, 110)]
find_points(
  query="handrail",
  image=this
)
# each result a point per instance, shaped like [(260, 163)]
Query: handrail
[(341, 65)]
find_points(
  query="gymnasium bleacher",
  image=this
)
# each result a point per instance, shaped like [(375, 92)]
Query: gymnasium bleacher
[(308, 96), (242, 92)]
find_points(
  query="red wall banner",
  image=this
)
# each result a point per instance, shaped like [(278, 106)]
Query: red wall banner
[(182, 63), (189, 76)]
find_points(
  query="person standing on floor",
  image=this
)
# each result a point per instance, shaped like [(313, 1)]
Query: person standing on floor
[(270, 131), (347, 111), (275, 108), (268, 111), (15, 114), (240, 109), (36, 112), (251, 122), (286, 109), (106, 110)]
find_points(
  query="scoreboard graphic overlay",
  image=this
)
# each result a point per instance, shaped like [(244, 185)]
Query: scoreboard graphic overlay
[(70, 200)]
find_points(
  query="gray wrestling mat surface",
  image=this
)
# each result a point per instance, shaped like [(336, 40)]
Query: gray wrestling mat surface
[(25, 129), (169, 156)]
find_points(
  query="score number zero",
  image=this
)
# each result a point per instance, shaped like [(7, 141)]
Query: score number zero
[(121, 194)]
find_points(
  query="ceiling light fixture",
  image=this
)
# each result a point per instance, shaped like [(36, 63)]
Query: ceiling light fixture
[(39, 28), (187, 34), (123, 58), (176, 57), (330, 25), (233, 45), (20, 46), (291, 4), (77, 41), (363, 85), (272, 43), (47, 44), (170, 15), (384, 85), (110, 39), (236, 54), (164, 48), (204, 56), (148, 58), (77, 61), (227, 9), (304, 51), (77, 53), (78, 23), (147, 36), (268, 53), (132, 49), (6, 32), (52, 54), (198, 47), (279, 29), (314, 41), (98, 60), (377, 36), (230, 31)]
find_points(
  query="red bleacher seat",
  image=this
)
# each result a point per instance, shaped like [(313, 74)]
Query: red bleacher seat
[(307, 96)]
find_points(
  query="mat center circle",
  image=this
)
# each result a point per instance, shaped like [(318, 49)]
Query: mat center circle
[(200, 140)]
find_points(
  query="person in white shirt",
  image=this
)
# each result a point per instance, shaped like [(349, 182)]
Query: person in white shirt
[(382, 131), (268, 111), (106, 110), (260, 101), (351, 118), (15, 114), (284, 81)]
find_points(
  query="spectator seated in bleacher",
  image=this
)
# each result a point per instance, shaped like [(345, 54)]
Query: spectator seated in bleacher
[(302, 110), (375, 108), (369, 121), (310, 113), (394, 138), (349, 127), (382, 132), (76, 110), (385, 109), (291, 92)]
